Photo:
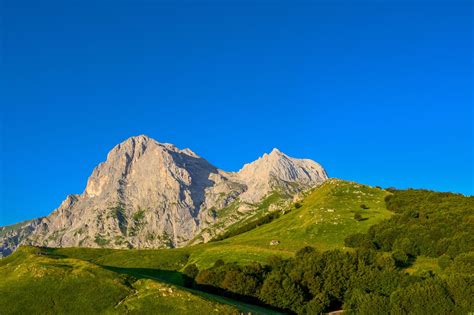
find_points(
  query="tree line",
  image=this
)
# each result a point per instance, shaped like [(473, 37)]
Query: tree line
[(370, 279)]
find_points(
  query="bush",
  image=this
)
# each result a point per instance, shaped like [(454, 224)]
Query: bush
[(401, 258), (359, 240), (189, 274)]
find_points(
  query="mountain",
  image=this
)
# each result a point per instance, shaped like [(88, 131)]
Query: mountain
[(149, 195)]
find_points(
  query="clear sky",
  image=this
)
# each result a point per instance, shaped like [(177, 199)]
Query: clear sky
[(378, 92)]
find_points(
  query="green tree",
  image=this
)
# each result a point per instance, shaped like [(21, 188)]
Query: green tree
[(426, 297), (189, 274)]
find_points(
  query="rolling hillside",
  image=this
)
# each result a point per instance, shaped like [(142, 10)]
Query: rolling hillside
[(110, 280), (324, 219), (42, 281), (88, 280)]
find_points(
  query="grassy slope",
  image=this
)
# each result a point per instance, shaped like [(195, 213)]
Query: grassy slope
[(324, 220), (44, 281)]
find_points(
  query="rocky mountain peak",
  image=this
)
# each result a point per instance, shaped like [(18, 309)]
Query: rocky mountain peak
[(276, 152), (152, 194), (276, 170)]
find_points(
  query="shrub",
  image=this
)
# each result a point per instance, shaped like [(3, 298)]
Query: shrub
[(189, 274)]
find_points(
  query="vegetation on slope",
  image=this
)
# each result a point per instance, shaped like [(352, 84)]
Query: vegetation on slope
[(416, 257), (324, 218), (424, 223), (43, 281), (386, 274)]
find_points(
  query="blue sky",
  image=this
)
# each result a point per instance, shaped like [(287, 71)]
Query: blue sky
[(379, 92)]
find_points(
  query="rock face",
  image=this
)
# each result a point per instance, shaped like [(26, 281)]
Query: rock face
[(149, 195), (11, 236), (277, 170)]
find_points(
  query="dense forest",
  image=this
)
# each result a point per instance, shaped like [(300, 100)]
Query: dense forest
[(370, 278)]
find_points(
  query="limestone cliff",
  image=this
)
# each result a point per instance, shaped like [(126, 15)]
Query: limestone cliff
[(149, 195)]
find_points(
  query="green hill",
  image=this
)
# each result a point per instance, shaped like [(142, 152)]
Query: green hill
[(323, 220), (421, 243), (43, 281)]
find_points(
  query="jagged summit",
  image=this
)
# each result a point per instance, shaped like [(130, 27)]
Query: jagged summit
[(277, 170), (277, 152), (152, 194)]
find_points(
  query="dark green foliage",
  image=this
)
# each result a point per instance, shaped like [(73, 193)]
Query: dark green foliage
[(359, 240), (232, 280), (298, 205), (361, 302), (426, 297), (118, 213), (461, 291), (365, 207), (281, 291), (100, 240), (139, 216), (425, 223), (191, 271), (310, 283), (317, 305), (361, 282), (357, 216), (189, 274), (401, 258)]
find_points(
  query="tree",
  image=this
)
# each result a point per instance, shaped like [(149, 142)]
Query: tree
[(359, 240), (401, 258), (238, 282), (361, 302), (317, 305), (281, 291), (189, 274), (425, 297)]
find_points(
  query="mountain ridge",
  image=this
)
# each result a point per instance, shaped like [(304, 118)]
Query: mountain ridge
[(148, 194)]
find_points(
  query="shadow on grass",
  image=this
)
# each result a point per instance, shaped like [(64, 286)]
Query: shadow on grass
[(167, 276), (244, 303)]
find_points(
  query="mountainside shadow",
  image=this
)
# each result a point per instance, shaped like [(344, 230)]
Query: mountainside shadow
[(200, 171), (244, 303)]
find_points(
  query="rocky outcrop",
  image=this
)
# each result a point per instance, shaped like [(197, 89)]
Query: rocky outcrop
[(279, 171), (11, 236), (149, 195)]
